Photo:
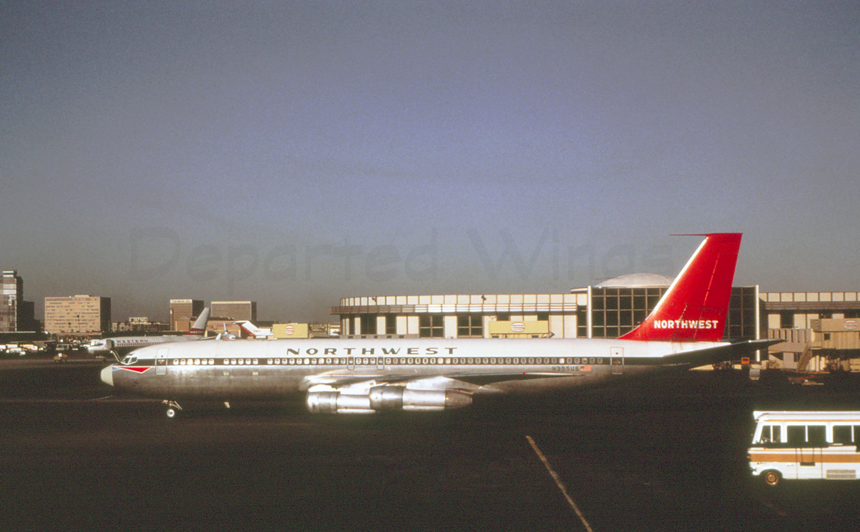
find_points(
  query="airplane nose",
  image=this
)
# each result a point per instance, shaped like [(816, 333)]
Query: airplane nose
[(107, 375)]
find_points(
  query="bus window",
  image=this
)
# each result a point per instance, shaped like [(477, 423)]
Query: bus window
[(796, 435), (816, 435), (842, 434), (806, 436)]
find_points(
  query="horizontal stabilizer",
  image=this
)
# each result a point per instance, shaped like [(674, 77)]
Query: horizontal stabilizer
[(719, 353)]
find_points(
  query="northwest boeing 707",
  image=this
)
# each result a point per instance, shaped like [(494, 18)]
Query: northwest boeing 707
[(348, 376)]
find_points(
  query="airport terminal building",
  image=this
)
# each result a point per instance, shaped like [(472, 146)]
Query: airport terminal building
[(607, 310), (821, 330)]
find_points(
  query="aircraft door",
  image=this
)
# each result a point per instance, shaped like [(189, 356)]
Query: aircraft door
[(161, 361), (616, 360)]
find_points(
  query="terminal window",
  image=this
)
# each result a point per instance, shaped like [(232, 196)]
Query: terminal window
[(470, 326), (616, 311), (368, 324), (431, 326)]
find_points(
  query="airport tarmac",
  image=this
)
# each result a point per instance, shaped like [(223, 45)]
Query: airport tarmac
[(666, 454)]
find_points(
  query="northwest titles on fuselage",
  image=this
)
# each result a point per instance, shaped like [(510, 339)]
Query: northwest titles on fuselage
[(372, 351)]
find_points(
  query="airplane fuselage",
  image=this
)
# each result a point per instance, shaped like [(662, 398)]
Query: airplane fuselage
[(369, 375), (126, 344), (121, 345), (271, 369)]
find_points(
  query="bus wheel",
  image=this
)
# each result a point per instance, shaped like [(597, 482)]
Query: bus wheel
[(771, 478)]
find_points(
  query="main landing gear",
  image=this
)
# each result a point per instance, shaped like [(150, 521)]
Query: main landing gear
[(174, 409)]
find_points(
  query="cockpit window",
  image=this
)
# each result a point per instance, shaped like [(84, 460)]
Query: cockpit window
[(130, 359)]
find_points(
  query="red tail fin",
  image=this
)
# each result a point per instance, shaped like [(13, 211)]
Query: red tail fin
[(694, 307)]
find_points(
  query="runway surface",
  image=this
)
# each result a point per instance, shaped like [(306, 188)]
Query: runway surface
[(668, 454)]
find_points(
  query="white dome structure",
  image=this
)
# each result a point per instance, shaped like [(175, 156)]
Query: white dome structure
[(637, 280)]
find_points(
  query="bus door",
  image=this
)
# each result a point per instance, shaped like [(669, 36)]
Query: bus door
[(161, 361), (808, 449), (809, 463), (616, 360)]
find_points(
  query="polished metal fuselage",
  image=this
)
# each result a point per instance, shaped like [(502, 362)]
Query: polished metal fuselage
[(270, 369)]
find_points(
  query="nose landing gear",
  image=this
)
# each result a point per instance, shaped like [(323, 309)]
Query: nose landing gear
[(173, 409)]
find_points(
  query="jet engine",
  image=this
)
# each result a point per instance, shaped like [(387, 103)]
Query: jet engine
[(386, 398)]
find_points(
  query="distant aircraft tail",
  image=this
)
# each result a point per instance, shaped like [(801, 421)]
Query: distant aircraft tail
[(199, 327), (695, 306), (249, 328)]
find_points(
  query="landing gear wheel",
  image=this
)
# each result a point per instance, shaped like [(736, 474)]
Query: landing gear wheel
[(771, 478), (173, 409)]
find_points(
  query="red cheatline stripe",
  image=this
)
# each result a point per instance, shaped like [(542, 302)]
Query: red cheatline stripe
[(136, 369)]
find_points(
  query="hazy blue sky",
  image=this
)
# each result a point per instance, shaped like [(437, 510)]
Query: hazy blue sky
[(294, 153)]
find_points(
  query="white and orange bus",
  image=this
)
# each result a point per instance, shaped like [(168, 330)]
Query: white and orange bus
[(805, 445)]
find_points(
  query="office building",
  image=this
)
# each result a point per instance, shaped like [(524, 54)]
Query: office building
[(183, 312), (79, 315), (16, 315), (233, 311)]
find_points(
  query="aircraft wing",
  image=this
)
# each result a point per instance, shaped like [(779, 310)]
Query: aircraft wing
[(464, 381)]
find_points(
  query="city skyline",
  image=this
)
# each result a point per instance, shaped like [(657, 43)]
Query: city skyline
[(297, 154)]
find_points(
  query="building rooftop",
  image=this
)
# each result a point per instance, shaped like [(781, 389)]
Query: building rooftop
[(637, 280)]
